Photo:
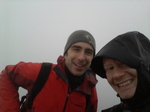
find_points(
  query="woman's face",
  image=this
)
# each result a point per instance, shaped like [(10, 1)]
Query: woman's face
[(121, 77)]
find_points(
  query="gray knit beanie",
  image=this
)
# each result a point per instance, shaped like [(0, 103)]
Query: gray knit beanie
[(80, 36)]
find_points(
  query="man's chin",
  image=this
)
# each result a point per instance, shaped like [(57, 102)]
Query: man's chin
[(78, 73)]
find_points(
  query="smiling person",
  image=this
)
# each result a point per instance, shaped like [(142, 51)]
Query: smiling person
[(125, 63), (70, 86)]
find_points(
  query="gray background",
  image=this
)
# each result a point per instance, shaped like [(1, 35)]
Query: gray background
[(37, 30)]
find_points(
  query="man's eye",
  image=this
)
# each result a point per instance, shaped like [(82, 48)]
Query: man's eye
[(89, 52), (76, 49)]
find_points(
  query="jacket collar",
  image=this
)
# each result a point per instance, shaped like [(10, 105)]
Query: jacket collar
[(89, 80)]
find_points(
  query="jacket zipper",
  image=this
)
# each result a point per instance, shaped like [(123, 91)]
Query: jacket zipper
[(66, 102)]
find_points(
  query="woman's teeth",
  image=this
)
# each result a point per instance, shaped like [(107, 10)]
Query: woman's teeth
[(125, 83)]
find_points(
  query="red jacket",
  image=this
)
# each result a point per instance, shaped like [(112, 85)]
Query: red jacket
[(55, 96)]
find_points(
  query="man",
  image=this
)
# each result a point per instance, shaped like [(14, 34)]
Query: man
[(125, 63), (70, 86)]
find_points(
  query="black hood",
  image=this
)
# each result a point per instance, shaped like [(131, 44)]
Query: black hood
[(133, 49)]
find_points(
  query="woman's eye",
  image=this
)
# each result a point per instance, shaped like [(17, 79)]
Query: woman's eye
[(109, 68)]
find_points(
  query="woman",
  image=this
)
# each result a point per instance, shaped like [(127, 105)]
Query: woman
[(125, 63)]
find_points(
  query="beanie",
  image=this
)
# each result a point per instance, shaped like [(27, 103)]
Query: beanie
[(80, 36)]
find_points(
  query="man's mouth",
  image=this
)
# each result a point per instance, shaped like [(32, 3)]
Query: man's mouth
[(79, 65)]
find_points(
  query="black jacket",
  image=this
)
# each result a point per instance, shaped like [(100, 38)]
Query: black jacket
[(133, 49)]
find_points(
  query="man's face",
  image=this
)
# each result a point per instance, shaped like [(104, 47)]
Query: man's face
[(121, 77), (78, 58)]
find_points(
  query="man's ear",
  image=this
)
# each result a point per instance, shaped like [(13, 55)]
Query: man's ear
[(65, 55)]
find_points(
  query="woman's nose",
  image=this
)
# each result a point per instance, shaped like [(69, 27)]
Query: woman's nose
[(118, 73)]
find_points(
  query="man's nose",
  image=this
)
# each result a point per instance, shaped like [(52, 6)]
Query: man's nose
[(81, 56)]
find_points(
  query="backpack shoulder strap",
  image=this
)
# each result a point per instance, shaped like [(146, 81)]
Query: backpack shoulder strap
[(41, 79), (39, 83)]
